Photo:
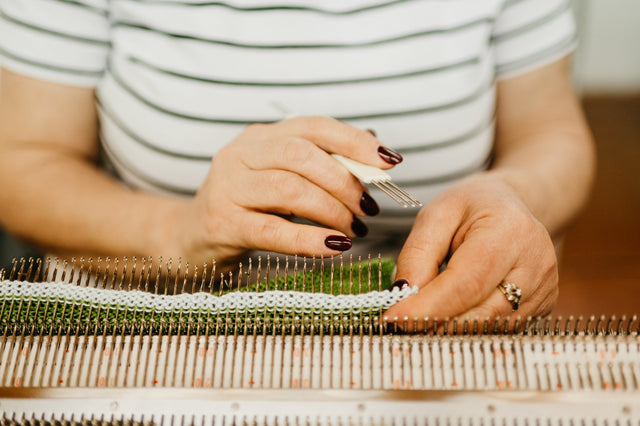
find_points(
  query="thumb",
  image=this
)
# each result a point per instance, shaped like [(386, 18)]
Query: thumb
[(428, 244)]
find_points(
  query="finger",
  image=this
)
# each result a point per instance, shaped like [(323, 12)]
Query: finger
[(474, 270), (494, 306), (428, 243), (282, 192), (306, 159), (262, 231), (536, 299), (538, 285), (496, 303), (337, 137)]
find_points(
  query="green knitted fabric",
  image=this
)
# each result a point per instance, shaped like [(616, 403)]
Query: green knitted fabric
[(56, 307), (340, 280)]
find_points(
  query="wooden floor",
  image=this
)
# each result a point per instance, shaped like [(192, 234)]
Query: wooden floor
[(600, 269)]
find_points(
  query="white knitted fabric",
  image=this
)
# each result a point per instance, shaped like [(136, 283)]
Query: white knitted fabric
[(199, 302)]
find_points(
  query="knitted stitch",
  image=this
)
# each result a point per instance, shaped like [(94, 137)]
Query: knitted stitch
[(326, 292)]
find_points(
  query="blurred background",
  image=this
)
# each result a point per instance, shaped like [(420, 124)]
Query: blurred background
[(600, 264)]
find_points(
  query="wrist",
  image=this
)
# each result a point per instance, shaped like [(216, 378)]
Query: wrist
[(164, 230), (527, 187), (497, 181), (180, 230)]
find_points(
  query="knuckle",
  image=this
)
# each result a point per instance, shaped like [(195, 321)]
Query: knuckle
[(340, 214), (265, 232), (298, 151), (274, 180), (361, 137), (527, 226), (546, 302), (519, 222), (430, 214), (318, 123), (347, 184), (491, 261), (229, 152), (255, 128), (412, 251), (443, 208), (453, 198), (323, 208), (426, 214), (474, 282), (299, 241), (291, 188), (494, 311), (282, 187), (489, 312)]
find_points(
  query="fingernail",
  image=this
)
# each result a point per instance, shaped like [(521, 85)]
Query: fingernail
[(400, 284), (338, 242), (371, 131), (389, 155), (359, 228), (369, 205)]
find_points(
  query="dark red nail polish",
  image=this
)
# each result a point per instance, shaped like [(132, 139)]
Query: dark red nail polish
[(389, 155), (371, 131), (369, 205), (400, 284), (359, 228), (338, 242)]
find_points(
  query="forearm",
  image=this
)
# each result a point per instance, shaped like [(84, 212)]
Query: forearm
[(552, 171), (65, 204), (544, 148)]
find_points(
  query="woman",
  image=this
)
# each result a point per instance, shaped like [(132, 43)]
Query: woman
[(139, 127)]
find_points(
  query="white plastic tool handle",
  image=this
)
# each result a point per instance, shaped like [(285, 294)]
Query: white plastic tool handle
[(364, 172)]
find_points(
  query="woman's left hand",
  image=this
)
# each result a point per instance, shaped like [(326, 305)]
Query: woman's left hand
[(490, 236)]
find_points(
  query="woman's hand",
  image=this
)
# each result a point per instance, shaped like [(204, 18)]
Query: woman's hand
[(278, 170), (491, 237)]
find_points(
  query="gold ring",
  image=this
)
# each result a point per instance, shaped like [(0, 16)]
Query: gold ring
[(512, 292)]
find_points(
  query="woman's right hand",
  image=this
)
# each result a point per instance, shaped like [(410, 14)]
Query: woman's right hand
[(271, 171)]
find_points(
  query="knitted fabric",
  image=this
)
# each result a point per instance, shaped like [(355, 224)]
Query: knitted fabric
[(327, 293)]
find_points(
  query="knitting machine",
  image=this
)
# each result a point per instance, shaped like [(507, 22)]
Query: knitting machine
[(291, 341)]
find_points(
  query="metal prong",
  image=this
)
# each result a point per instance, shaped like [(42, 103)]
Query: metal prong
[(401, 194), (411, 198), (396, 193), (391, 194)]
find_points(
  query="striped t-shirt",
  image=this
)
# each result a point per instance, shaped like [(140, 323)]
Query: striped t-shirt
[(178, 79)]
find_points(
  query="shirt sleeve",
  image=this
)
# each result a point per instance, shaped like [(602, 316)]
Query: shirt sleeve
[(63, 41), (528, 34)]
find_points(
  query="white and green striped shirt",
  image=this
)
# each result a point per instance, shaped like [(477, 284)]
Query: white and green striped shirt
[(178, 79)]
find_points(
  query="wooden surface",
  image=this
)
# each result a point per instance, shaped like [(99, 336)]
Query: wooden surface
[(600, 269)]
